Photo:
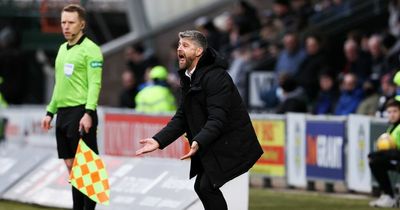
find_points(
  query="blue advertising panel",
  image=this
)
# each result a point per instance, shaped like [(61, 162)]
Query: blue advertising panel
[(325, 150)]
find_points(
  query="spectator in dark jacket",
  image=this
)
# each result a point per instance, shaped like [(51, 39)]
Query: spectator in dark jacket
[(356, 61), (283, 13), (379, 65), (388, 91), (311, 66), (246, 18), (129, 90), (327, 94), (293, 98)]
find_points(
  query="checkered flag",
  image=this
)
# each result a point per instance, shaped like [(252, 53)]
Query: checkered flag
[(89, 175)]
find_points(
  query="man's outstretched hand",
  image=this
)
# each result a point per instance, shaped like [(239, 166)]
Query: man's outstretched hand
[(149, 145), (193, 150)]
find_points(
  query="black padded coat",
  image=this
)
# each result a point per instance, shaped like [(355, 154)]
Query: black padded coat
[(213, 113)]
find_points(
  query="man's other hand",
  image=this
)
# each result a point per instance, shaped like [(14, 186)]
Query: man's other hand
[(193, 150), (149, 145)]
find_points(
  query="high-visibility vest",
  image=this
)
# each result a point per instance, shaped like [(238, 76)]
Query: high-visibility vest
[(396, 80), (155, 99), (395, 134), (3, 102)]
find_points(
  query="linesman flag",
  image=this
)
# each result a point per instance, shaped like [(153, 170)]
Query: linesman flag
[(89, 174)]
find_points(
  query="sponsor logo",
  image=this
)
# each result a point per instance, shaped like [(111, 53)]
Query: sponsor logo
[(324, 151), (96, 64)]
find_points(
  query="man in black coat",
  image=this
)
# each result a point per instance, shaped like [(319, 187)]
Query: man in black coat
[(213, 116)]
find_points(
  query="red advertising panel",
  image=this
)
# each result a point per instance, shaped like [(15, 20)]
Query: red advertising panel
[(122, 133)]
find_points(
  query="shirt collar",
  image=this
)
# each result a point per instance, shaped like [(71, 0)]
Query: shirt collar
[(189, 73), (79, 42)]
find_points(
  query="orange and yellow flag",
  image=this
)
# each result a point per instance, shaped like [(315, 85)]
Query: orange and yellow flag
[(89, 174)]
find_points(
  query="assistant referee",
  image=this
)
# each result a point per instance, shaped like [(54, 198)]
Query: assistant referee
[(78, 73)]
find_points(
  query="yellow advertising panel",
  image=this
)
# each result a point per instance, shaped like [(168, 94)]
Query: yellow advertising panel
[(271, 134)]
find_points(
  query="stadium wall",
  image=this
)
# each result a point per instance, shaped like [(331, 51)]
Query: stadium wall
[(298, 148)]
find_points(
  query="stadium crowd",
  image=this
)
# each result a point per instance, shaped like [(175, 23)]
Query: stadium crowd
[(312, 72), (357, 79)]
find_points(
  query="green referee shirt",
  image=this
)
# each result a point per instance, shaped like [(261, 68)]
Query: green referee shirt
[(78, 76)]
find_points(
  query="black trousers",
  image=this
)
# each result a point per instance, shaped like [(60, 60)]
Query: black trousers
[(380, 162), (212, 198), (67, 135)]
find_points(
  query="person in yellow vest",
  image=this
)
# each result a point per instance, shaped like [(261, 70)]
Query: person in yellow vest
[(3, 102), (396, 81), (156, 97), (387, 157)]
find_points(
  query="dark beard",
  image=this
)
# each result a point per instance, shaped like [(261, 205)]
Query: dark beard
[(188, 63)]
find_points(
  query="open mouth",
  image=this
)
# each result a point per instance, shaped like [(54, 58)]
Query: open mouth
[(181, 57)]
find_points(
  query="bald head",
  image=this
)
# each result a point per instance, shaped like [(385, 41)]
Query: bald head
[(375, 45), (351, 50), (349, 82)]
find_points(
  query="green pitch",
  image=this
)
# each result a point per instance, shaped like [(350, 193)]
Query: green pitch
[(262, 199), (10, 205)]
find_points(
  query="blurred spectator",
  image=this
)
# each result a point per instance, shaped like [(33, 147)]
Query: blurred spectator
[(270, 32), (283, 13), (291, 56), (138, 61), (361, 39), (330, 9), (224, 24), (157, 97), (311, 66), (394, 18), (357, 36), (13, 67), (147, 80), (239, 68), (322, 5), (292, 97), (245, 17), (369, 105), (230, 31), (392, 43), (327, 94), (364, 44), (350, 95), (129, 91), (172, 66), (388, 91), (215, 38), (303, 10), (356, 62), (261, 59), (378, 58)]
